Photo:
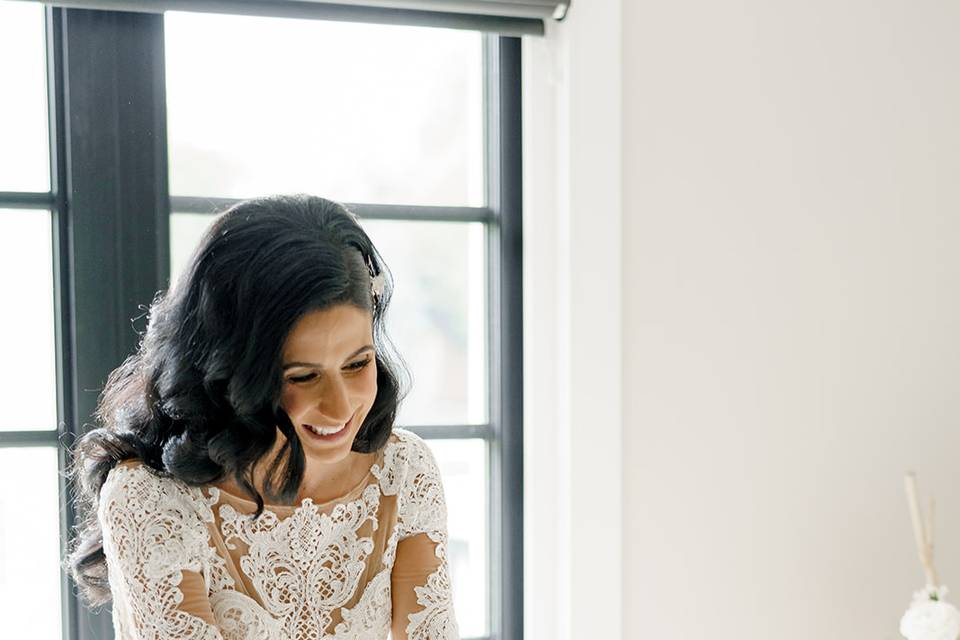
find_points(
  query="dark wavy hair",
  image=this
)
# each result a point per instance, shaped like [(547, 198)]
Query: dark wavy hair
[(200, 400)]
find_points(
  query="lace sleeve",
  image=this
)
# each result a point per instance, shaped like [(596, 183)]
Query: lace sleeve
[(156, 549), (421, 592)]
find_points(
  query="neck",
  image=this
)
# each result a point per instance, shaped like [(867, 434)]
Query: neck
[(322, 481), (325, 481)]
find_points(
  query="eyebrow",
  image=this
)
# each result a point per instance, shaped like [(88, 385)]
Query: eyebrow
[(291, 365)]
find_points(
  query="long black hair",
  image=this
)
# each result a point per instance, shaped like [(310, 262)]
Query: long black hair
[(200, 400)]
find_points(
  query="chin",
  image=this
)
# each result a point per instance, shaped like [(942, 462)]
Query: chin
[(326, 452)]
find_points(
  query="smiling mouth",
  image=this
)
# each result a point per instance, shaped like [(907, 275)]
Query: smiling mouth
[(325, 431)]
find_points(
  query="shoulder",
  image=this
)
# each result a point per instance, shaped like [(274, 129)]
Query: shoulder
[(405, 437), (134, 489), (132, 478), (153, 525), (410, 472), (127, 478), (411, 444), (406, 454)]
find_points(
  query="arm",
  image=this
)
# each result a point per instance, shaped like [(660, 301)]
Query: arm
[(156, 546), (420, 587), (420, 581)]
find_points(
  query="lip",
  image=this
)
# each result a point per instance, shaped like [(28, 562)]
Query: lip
[(333, 436)]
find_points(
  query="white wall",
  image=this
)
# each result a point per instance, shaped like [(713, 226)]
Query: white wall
[(572, 327), (783, 180), (791, 312)]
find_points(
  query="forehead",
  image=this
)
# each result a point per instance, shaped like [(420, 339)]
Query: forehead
[(339, 329)]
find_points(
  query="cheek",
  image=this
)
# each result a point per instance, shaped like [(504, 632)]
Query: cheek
[(292, 400), (370, 382)]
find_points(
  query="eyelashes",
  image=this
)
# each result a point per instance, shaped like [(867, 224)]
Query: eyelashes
[(360, 364), (355, 366)]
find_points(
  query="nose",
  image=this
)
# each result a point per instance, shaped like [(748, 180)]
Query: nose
[(334, 401)]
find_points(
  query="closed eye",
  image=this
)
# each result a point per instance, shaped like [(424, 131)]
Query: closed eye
[(359, 364), (354, 366)]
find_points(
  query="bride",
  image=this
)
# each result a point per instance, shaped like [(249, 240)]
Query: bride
[(246, 480)]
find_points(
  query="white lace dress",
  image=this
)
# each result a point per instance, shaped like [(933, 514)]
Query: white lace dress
[(188, 562)]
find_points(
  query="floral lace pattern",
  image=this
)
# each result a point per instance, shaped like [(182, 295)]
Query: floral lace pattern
[(435, 620), (303, 567), (242, 618), (308, 564), (410, 472), (150, 536), (370, 619)]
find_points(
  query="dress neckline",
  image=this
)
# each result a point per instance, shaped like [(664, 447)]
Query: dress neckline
[(278, 508)]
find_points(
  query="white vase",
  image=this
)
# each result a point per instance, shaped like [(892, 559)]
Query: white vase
[(931, 620)]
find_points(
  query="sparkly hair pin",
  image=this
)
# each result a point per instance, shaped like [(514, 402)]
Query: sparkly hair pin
[(377, 281)]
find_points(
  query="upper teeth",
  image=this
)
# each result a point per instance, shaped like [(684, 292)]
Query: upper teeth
[(325, 431)]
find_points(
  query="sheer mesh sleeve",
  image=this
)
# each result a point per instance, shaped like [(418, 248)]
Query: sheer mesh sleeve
[(420, 581), (156, 545)]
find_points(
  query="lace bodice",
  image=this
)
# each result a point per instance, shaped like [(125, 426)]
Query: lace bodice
[(189, 562)]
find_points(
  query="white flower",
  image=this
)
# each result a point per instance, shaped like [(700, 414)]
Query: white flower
[(928, 619)]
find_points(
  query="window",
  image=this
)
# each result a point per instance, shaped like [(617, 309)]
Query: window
[(30, 583), (416, 128)]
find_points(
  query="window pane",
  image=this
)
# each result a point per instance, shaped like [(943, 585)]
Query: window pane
[(463, 465), (352, 112), (185, 232), (27, 340), (29, 550), (437, 317), (24, 146)]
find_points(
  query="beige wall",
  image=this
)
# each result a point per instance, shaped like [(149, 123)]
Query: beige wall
[(791, 312)]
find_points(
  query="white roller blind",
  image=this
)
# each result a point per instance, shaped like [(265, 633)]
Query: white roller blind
[(509, 17), (507, 8)]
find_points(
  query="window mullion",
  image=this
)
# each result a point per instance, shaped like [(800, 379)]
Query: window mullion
[(69, 605), (46, 438), (452, 432), (115, 202), (505, 197), (26, 200)]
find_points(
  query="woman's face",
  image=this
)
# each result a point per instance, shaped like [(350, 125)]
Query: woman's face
[(329, 379)]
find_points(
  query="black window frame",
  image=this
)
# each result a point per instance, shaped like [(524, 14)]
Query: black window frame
[(110, 210)]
